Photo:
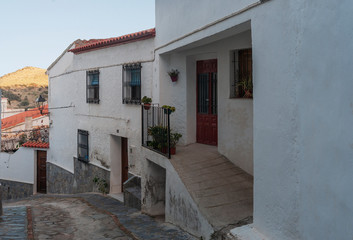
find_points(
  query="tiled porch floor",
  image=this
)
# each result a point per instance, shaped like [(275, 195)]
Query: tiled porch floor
[(222, 191)]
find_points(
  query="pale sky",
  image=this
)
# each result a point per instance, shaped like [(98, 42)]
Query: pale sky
[(35, 32)]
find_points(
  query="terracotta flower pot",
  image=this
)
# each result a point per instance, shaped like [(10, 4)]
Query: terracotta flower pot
[(147, 106), (174, 78), (172, 150)]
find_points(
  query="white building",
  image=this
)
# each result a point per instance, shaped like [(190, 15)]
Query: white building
[(8, 112), (294, 136), (282, 156), (99, 135)]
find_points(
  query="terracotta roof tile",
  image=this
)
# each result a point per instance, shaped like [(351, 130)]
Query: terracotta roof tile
[(88, 45), (21, 117), (30, 144)]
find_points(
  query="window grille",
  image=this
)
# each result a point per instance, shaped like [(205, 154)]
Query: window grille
[(241, 74), (92, 95), (132, 83), (82, 145)]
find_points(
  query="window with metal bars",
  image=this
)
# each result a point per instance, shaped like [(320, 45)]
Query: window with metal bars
[(82, 145), (92, 94), (132, 83), (241, 74)]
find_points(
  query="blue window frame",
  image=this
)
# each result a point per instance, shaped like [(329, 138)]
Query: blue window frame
[(132, 83)]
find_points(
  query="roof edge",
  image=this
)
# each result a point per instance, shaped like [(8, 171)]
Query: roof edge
[(109, 42)]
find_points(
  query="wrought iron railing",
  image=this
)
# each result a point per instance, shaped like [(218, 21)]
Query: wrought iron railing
[(156, 129)]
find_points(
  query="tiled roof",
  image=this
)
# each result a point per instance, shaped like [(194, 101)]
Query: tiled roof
[(21, 117), (87, 45), (30, 144)]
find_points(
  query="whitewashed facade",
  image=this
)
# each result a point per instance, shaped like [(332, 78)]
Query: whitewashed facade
[(106, 122)]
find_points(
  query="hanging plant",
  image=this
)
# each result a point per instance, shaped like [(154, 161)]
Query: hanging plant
[(174, 73)]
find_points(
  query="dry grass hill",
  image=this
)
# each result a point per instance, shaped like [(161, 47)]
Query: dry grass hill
[(24, 86)]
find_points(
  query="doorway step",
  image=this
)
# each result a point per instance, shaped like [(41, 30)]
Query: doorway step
[(132, 192)]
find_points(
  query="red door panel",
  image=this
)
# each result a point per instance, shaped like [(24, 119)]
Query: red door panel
[(124, 161), (41, 171), (206, 132)]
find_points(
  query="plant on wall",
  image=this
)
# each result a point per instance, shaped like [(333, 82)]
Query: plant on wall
[(174, 73), (101, 184)]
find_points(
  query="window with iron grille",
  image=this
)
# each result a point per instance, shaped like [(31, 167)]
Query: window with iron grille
[(241, 74), (92, 95), (82, 145), (132, 83)]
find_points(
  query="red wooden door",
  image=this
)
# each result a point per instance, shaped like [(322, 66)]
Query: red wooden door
[(206, 132), (41, 171), (124, 162)]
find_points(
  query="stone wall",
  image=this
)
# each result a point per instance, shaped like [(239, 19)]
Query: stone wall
[(62, 181), (15, 190)]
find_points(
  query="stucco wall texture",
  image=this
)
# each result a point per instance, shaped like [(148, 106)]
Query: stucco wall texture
[(302, 106), (67, 87)]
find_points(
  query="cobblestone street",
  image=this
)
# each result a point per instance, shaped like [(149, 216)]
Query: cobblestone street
[(82, 216)]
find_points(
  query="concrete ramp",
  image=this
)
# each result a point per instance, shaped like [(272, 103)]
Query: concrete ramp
[(222, 191)]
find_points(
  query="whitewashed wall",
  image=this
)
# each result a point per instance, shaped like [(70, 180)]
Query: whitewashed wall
[(302, 109), (235, 122), (178, 18), (67, 86), (18, 166)]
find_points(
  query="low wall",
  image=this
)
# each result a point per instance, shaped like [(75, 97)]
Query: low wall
[(15, 190), (18, 166), (60, 180)]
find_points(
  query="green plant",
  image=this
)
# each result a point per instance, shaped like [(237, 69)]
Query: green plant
[(146, 100), (159, 135), (174, 139), (101, 184), (246, 86), (170, 108), (173, 73)]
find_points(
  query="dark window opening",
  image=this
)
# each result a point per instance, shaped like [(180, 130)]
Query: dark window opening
[(82, 145), (92, 95), (241, 74), (132, 83)]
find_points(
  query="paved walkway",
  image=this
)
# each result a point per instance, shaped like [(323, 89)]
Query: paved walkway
[(84, 216), (13, 223)]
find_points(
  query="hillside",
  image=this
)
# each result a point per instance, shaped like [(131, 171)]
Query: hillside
[(25, 77), (24, 86)]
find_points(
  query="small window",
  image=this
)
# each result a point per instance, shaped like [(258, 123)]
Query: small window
[(241, 74), (132, 83), (92, 87), (82, 145)]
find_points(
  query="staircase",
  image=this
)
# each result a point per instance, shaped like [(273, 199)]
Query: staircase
[(222, 191)]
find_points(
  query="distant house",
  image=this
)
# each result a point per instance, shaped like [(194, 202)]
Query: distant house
[(104, 79), (7, 112), (29, 125)]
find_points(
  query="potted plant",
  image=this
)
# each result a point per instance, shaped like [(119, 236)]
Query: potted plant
[(160, 137), (174, 139), (173, 75), (168, 109), (246, 87), (146, 102)]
